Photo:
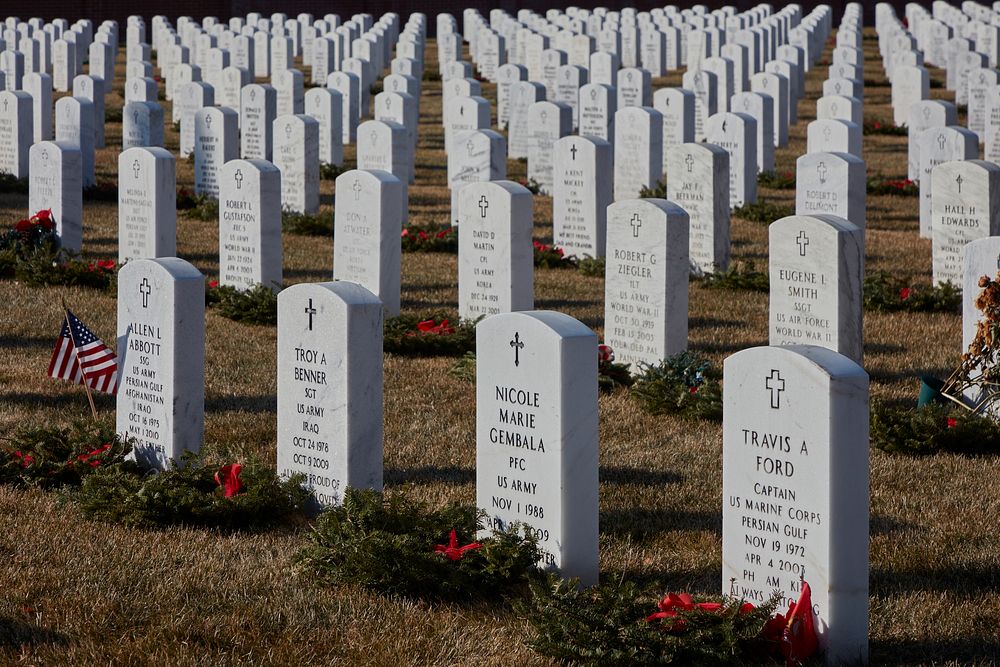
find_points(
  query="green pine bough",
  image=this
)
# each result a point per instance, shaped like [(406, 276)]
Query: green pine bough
[(607, 625), (189, 495), (397, 546)]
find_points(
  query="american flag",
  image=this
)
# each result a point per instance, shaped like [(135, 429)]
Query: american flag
[(81, 355)]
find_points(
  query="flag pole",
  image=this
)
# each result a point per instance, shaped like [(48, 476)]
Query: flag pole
[(69, 327)]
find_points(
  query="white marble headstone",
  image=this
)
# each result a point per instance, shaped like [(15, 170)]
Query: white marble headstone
[(54, 182), (147, 204), (330, 388), (816, 265), (638, 150), (646, 280), (366, 226), (698, 182), (161, 359), (250, 248), (965, 206), (495, 253), (580, 195), (832, 184), (795, 497), (536, 434)]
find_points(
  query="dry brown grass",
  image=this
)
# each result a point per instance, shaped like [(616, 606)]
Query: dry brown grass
[(74, 592)]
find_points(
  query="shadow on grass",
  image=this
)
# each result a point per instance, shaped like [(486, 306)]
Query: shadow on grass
[(34, 400), (638, 476), (640, 523), (913, 374), (255, 404), (889, 349), (424, 306), (967, 651), (883, 525), (677, 579), (26, 342), (713, 322), (429, 475), (714, 347), (315, 275), (957, 579), (560, 304), (14, 634)]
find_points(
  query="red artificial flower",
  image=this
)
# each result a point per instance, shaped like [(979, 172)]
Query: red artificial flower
[(796, 630), (89, 457), (44, 218), (23, 225), (693, 390), (442, 234), (878, 125), (453, 551), (26, 459), (904, 294), (430, 326), (212, 284), (605, 353), (106, 264), (677, 602), (952, 422), (423, 235), (405, 233), (230, 479)]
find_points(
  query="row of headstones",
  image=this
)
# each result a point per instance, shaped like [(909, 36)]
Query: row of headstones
[(956, 189), (657, 41), (535, 126), (795, 488), (37, 47)]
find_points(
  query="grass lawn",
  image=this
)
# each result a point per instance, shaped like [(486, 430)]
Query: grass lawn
[(77, 592)]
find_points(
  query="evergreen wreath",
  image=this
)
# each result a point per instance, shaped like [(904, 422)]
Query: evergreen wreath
[(397, 546)]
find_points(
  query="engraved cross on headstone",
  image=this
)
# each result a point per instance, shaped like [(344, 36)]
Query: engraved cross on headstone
[(208, 121), (135, 169), (821, 170), (958, 180), (689, 161), (572, 151), (357, 189), (636, 223), (775, 384), (941, 141), (238, 177), (310, 311), (145, 290), (803, 241), (517, 344)]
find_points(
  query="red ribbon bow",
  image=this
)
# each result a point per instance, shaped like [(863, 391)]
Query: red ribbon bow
[(677, 602), (228, 477), (26, 459), (430, 326), (93, 453), (796, 630), (605, 353), (453, 551)]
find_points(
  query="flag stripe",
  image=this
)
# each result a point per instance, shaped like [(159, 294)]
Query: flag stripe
[(81, 357)]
